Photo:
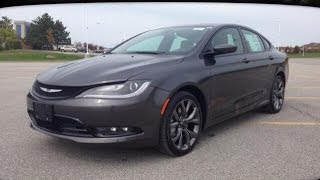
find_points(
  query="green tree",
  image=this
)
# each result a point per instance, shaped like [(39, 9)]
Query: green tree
[(12, 42), (4, 34), (60, 34), (44, 32), (5, 22), (8, 37), (296, 49), (37, 32), (50, 36)]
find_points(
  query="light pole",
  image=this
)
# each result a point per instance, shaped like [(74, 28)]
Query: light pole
[(98, 35), (125, 17), (87, 48), (278, 34)]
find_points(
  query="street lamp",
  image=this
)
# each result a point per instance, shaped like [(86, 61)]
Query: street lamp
[(278, 20), (98, 23), (87, 48), (125, 17)]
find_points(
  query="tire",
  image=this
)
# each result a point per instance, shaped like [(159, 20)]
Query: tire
[(180, 126), (276, 96)]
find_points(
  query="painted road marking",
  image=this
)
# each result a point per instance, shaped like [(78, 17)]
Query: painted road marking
[(303, 97), (305, 87), (290, 123), (308, 76)]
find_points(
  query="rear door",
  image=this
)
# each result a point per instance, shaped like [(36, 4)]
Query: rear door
[(258, 57)]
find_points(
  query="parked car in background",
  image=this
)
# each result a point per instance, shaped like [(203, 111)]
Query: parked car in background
[(68, 48), (98, 51), (82, 49), (106, 50)]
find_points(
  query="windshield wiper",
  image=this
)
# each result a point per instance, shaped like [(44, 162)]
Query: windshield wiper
[(146, 52)]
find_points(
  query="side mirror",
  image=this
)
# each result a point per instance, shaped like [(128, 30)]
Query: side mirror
[(106, 51), (224, 49), (220, 49)]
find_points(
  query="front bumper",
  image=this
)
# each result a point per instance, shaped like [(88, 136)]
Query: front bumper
[(88, 139), (142, 112)]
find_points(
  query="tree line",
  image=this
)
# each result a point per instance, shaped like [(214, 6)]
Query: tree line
[(8, 37), (43, 33)]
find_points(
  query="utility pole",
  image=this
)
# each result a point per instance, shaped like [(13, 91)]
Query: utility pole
[(278, 34), (87, 48), (125, 17), (98, 35)]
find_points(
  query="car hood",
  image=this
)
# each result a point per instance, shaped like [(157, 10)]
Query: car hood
[(104, 69)]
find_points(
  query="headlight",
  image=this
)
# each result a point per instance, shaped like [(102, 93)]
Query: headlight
[(116, 91)]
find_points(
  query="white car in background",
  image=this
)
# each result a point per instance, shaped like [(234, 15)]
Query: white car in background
[(68, 48)]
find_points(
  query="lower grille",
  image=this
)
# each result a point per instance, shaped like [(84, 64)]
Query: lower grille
[(65, 126)]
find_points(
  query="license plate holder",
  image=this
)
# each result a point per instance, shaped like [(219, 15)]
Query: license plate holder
[(43, 112)]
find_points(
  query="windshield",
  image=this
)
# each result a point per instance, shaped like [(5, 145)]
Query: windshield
[(178, 40)]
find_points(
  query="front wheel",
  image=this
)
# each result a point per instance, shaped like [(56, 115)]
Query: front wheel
[(180, 125), (276, 96)]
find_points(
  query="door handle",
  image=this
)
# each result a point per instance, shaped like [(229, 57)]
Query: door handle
[(270, 58), (245, 60)]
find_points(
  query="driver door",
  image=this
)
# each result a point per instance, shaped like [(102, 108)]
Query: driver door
[(228, 74)]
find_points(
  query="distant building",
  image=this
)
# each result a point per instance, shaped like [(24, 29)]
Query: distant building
[(21, 28)]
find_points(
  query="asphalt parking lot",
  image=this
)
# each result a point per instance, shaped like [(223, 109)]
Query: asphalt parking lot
[(252, 146)]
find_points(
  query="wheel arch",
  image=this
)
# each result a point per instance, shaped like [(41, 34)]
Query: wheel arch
[(282, 74), (198, 93)]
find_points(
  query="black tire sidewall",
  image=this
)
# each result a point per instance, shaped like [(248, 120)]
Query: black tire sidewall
[(166, 119), (274, 110)]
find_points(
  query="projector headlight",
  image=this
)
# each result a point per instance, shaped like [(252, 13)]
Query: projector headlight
[(117, 91)]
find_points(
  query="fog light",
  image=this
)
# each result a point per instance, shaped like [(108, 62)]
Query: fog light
[(116, 131)]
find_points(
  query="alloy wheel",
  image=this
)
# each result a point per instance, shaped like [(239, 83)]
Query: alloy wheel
[(185, 124), (278, 93)]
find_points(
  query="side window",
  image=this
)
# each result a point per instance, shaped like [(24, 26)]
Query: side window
[(228, 36), (252, 41), (151, 44)]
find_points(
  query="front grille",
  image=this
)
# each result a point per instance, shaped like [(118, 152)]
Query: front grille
[(66, 92)]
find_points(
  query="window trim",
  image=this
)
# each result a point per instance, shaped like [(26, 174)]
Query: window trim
[(223, 55), (265, 40)]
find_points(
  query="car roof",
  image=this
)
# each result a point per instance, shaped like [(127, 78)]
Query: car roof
[(213, 25)]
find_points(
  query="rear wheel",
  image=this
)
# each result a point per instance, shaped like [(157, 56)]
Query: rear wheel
[(181, 124), (276, 96)]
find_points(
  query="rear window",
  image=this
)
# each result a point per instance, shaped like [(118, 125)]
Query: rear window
[(253, 41)]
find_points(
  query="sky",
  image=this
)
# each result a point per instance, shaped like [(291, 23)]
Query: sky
[(110, 23)]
